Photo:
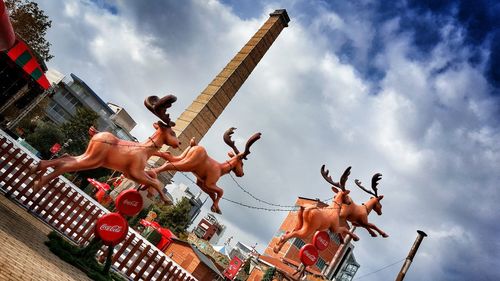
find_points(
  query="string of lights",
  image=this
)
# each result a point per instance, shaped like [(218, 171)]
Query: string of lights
[(283, 209), (380, 269)]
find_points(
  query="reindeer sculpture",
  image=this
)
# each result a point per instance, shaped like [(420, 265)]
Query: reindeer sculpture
[(106, 150), (208, 171), (358, 214), (312, 218)]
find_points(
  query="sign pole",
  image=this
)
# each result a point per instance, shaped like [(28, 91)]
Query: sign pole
[(411, 255)]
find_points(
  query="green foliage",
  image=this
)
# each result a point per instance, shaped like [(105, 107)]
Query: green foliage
[(269, 275), (176, 217), (77, 129), (31, 24), (246, 266), (44, 136), (82, 258)]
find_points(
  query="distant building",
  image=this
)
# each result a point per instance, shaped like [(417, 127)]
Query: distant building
[(121, 117), (182, 190), (210, 229), (241, 250), (289, 253), (71, 93)]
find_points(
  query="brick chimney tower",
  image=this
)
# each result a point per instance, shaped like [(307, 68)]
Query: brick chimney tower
[(202, 113)]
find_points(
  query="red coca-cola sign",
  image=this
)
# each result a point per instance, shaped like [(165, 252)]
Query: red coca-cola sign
[(111, 228), (129, 202), (321, 240), (308, 254)]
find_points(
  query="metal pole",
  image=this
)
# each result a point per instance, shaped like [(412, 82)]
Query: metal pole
[(411, 255), (334, 263)]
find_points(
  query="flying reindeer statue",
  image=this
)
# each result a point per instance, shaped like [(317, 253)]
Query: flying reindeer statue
[(195, 159), (312, 218), (358, 214), (106, 150)]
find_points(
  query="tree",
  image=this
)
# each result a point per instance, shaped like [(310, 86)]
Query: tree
[(77, 129), (31, 24), (44, 136), (176, 217), (269, 275)]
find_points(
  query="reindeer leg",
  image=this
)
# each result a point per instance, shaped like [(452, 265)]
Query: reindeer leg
[(344, 231), (65, 165), (149, 179), (371, 225)]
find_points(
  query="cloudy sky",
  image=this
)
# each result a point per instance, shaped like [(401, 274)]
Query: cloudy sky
[(409, 89)]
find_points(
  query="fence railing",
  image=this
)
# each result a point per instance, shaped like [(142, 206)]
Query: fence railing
[(71, 212)]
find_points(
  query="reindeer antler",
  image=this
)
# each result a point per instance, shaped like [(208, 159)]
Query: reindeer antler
[(228, 141), (343, 178), (158, 106), (250, 141), (375, 180)]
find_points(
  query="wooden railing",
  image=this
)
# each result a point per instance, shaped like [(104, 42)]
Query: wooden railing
[(71, 212)]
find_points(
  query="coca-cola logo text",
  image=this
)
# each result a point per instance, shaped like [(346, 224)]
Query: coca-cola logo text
[(310, 256), (324, 242), (130, 203), (111, 228)]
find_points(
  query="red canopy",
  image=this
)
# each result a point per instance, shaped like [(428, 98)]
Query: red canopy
[(100, 185)]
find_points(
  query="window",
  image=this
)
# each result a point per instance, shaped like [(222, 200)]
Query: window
[(320, 263), (69, 101), (57, 112), (334, 237), (351, 269), (297, 242)]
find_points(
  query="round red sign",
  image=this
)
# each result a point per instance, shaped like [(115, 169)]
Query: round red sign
[(308, 254), (112, 228), (129, 202), (321, 240)]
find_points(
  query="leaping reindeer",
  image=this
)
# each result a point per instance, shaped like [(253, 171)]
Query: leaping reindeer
[(195, 159), (312, 218), (358, 214), (106, 150)]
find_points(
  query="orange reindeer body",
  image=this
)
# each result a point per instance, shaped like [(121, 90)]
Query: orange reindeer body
[(312, 218), (106, 150), (195, 159), (358, 214)]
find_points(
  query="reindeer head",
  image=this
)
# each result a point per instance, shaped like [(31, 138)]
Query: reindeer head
[(377, 206), (158, 106), (343, 193), (237, 157)]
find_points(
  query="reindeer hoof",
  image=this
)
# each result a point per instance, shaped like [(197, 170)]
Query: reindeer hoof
[(385, 235), (36, 186), (34, 168), (276, 249), (215, 209), (374, 235)]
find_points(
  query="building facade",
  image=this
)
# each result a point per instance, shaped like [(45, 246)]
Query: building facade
[(210, 229), (289, 253), (193, 260), (72, 92)]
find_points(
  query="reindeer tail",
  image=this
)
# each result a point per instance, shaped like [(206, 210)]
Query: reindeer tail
[(92, 131), (300, 217)]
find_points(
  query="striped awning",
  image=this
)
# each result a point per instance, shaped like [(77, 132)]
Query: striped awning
[(22, 55)]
